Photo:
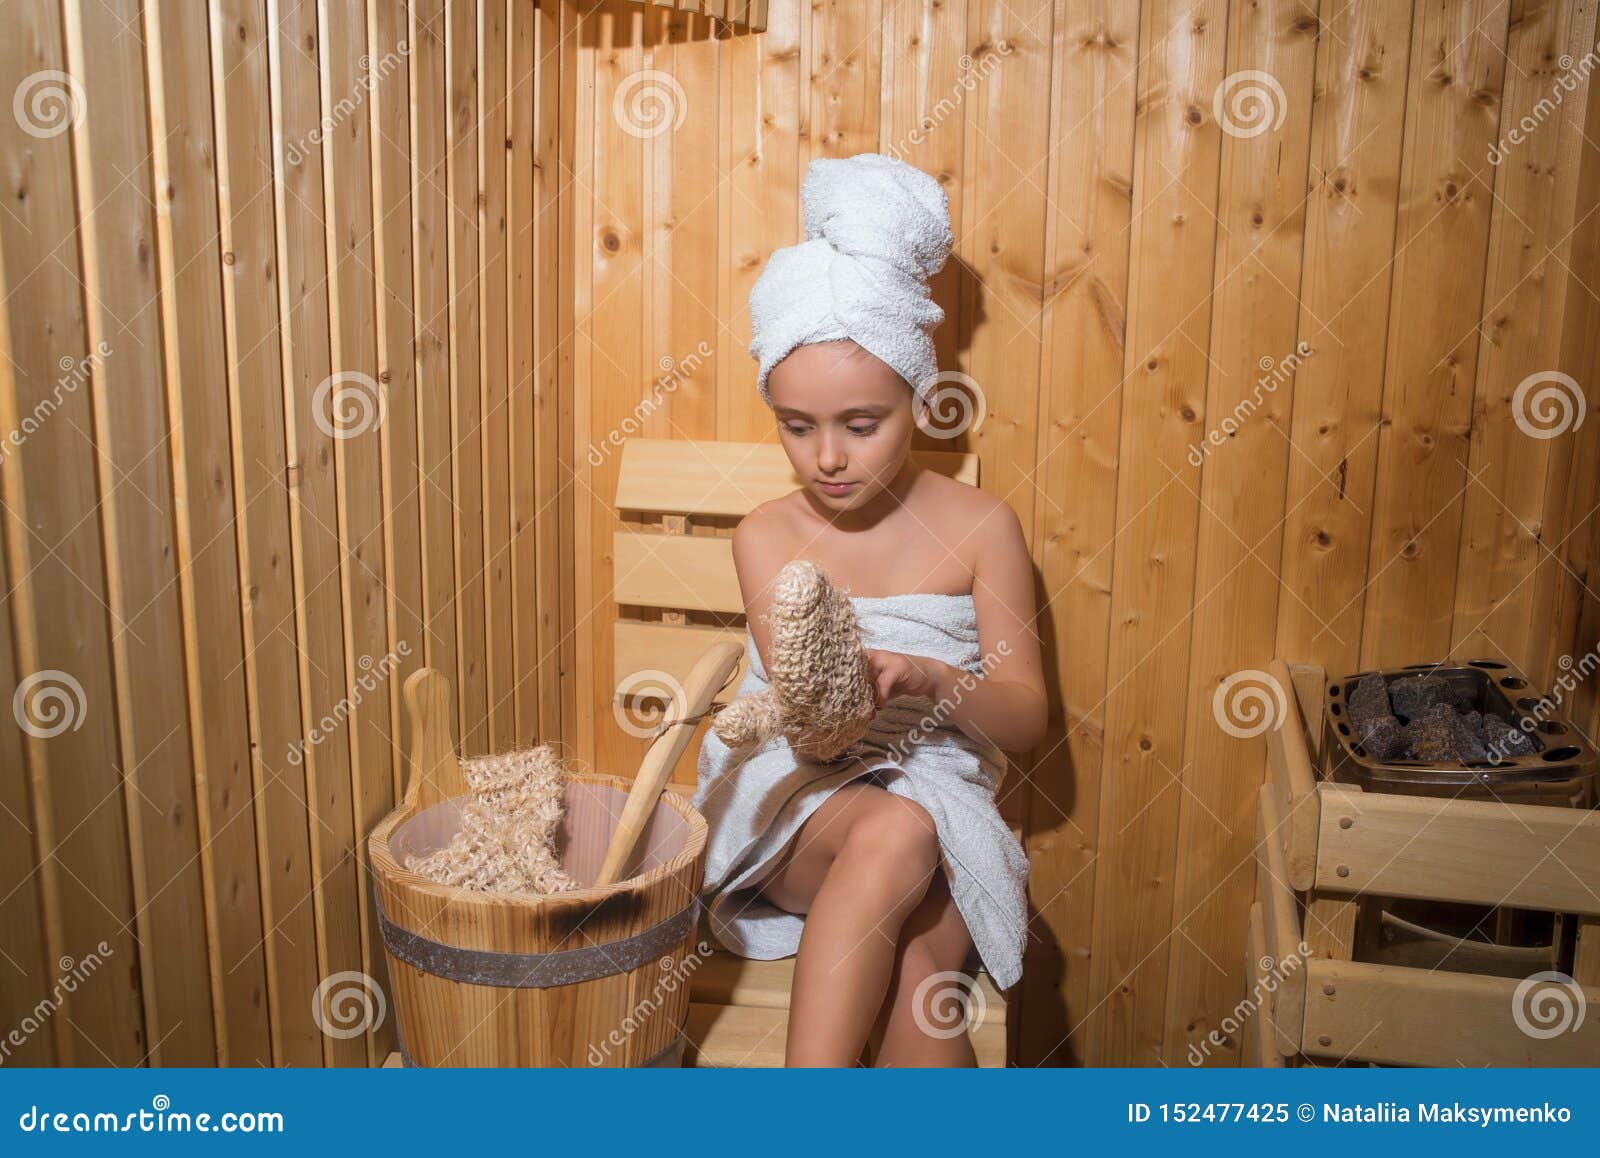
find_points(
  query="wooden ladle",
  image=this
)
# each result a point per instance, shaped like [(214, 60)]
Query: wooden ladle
[(708, 677)]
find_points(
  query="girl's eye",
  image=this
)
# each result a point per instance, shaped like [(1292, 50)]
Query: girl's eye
[(863, 431), (794, 430)]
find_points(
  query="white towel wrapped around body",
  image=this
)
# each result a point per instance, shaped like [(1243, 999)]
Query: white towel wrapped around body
[(756, 799)]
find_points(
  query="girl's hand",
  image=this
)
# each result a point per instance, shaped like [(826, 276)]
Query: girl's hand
[(895, 674)]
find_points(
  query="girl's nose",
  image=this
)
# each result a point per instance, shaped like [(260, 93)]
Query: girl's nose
[(830, 453)]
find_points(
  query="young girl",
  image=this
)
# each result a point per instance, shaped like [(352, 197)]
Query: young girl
[(887, 868)]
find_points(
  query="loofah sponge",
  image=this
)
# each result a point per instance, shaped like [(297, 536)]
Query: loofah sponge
[(506, 842), (820, 695)]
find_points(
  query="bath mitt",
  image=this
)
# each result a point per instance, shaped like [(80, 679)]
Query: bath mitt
[(507, 839), (820, 695), (876, 230)]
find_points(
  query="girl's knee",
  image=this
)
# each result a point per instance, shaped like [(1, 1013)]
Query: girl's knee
[(900, 834)]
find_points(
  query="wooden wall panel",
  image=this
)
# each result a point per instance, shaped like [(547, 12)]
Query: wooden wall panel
[(56, 569), (1458, 65), (240, 80), (117, 244), (1124, 270), (229, 536), (453, 200), (1254, 353)]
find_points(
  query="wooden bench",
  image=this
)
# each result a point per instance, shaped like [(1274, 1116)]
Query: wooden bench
[(677, 594)]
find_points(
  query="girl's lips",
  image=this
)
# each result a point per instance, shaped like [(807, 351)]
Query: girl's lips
[(836, 488)]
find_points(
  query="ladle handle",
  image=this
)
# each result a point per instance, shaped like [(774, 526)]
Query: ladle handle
[(707, 678), (435, 767)]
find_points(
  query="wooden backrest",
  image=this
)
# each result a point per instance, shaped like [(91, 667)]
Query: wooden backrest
[(684, 566)]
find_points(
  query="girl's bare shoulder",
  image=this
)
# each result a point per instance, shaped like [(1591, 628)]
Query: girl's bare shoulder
[(966, 512)]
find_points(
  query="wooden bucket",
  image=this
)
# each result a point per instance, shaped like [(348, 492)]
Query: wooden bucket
[(594, 977)]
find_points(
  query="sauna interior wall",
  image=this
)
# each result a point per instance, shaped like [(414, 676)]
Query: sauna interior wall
[(228, 580), (1130, 273), (274, 336)]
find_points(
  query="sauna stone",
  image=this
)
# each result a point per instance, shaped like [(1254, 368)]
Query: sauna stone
[(1383, 737), (1442, 735), (1412, 696), (1368, 700)]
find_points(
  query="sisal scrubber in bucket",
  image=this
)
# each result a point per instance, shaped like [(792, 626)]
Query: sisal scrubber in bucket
[(507, 839), (820, 695)]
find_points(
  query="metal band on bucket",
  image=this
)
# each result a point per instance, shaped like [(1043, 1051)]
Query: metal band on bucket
[(536, 970)]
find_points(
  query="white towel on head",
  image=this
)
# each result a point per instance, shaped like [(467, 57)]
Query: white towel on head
[(876, 230)]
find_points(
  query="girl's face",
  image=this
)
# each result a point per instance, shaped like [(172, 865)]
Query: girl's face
[(845, 420)]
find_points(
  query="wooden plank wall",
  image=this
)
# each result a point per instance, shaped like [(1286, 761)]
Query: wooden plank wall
[(1257, 296), (1336, 236), (278, 401)]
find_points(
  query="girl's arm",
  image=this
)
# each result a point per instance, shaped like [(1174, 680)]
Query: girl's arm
[(1005, 706)]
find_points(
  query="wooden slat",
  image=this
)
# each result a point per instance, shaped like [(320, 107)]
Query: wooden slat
[(1260, 1045), (1080, 410), (686, 476), (430, 264), (494, 351), (358, 449), (22, 905), (1358, 121), (1431, 362), (694, 572), (240, 83), (528, 586), (117, 239), (1254, 350), (844, 60), (56, 566), (1294, 783), (183, 119), (1432, 848), (466, 398), (1281, 926), (728, 979), (396, 339), (552, 423), (669, 648), (1535, 212), (1426, 1017), (293, 339), (624, 99), (1174, 242)]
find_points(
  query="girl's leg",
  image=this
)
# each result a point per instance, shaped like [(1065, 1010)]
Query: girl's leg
[(923, 1019), (857, 869)]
